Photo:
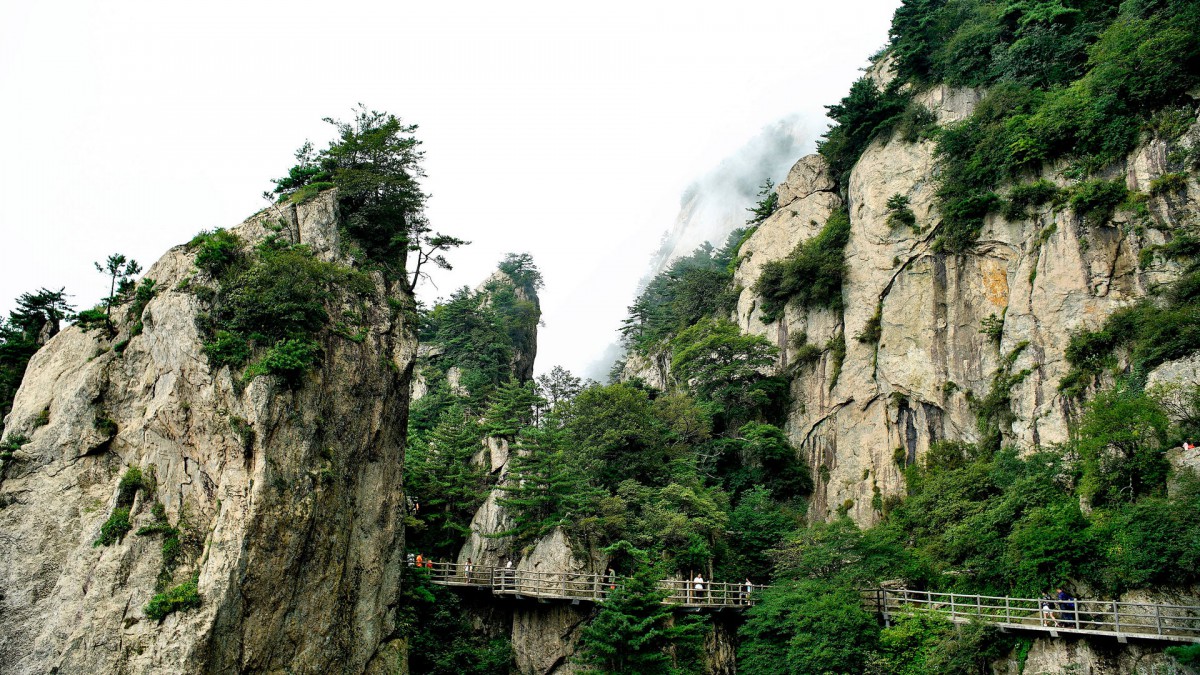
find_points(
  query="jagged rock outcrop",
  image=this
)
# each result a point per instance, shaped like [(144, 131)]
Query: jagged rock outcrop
[(287, 499), (1045, 277)]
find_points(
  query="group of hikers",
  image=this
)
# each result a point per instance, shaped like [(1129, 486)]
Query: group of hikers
[(1058, 610), (696, 590)]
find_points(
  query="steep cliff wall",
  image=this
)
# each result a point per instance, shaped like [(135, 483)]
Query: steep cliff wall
[(860, 419), (287, 500)]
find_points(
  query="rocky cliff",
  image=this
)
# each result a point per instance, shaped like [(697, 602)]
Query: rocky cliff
[(861, 415), (281, 503)]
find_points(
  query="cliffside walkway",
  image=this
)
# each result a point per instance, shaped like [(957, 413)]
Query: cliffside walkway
[(1122, 620), (578, 587)]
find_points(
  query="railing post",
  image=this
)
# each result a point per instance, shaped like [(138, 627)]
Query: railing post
[(978, 606), (1007, 610), (1158, 618), (952, 613), (1116, 617)]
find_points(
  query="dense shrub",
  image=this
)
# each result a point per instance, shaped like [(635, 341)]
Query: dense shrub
[(183, 597), (811, 276)]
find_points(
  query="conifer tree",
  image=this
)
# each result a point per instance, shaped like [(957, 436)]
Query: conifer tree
[(513, 406), (546, 486), (442, 477), (634, 633)]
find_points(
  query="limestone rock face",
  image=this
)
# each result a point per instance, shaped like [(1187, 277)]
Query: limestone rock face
[(1068, 656), (288, 501), (1045, 277)]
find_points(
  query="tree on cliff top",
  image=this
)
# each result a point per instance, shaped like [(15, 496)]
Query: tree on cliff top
[(375, 164)]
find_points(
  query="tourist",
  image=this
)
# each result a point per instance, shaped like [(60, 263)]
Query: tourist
[(1066, 605), (698, 587)]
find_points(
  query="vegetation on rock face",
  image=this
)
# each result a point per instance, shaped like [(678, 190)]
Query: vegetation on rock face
[(269, 300), (183, 597), (811, 276), (38, 316), (1073, 81), (375, 164)]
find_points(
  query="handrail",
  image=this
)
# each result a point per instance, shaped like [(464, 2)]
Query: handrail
[(1093, 617), (1081, 616), (581, 585)]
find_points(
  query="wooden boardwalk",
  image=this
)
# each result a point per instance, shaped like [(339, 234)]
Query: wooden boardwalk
[(1110, 618), (579, 587)]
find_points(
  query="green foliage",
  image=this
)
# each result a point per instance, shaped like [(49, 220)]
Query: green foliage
[(442, 640), (521, 269), (37, 315), (512, 407), (724, 365), (811, 275), (131, 482), (216, 251), (1185, 655), (692, 288), (105, 425), (862, 116), (1095, 200), (375, 164), (289, 359), (273, 297), (899, 215), (767, 203), (1119, 442), (1169, 183), (91, 319), (114, 529), (183, 597), (634, 633), (807, 626), (1026, 195), (442, 476), (120, 272)]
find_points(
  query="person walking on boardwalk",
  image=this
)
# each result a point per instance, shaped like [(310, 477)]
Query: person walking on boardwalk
[(748, 588), (1066, 607), (698, 587), (1046, 604), (467, 569)]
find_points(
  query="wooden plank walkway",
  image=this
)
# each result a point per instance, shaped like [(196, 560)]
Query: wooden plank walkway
[(579, 587), (1111, 618)]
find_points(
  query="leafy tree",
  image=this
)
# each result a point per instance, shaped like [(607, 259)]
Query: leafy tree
[(547, 486), (513, 405), (558, 386), (442, 640), (634, 633), (724, 365), (807, 627), (1119, 442), (38, 315), (617, 435), (521, 269)]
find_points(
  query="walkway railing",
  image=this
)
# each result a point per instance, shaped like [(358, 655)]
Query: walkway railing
[(580, 586), (1113, 618)]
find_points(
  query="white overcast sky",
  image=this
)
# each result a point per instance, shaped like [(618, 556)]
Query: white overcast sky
[(566, 130)]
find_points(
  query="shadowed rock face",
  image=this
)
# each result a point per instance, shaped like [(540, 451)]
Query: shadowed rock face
[(288, 501)]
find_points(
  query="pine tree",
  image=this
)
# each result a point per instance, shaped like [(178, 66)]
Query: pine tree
[(634, 633), (442, 477), (513, 406), (546, 486)]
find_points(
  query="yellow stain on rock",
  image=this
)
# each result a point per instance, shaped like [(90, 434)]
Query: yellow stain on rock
[(995, 281)]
